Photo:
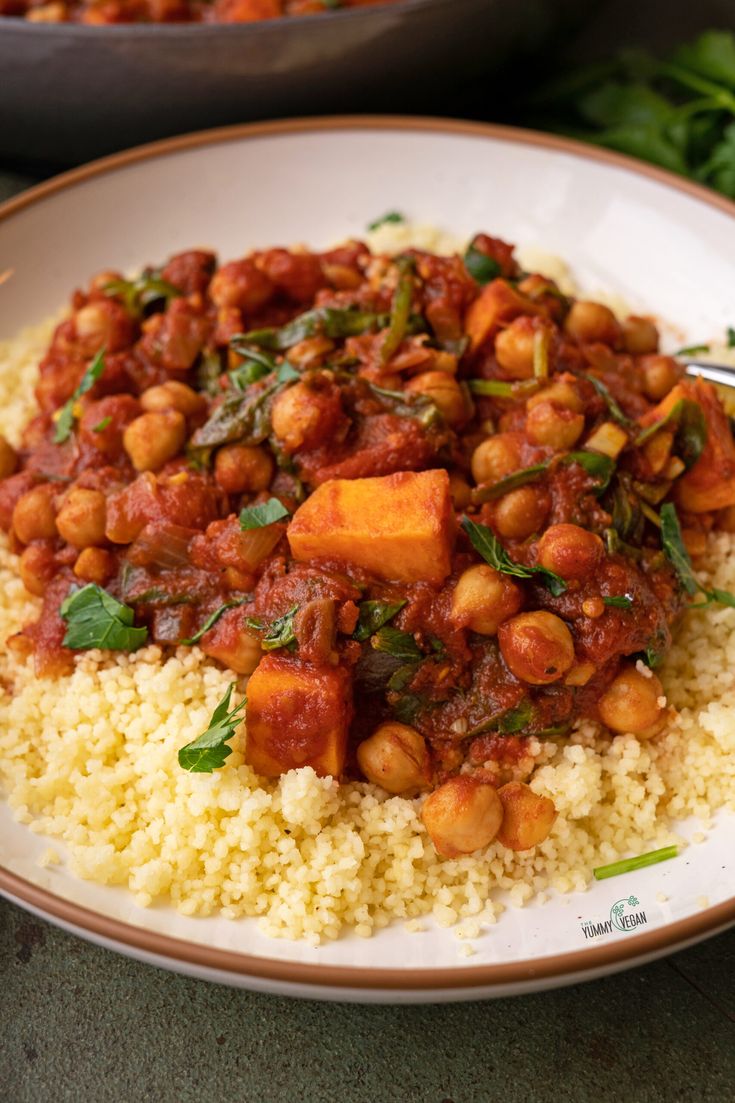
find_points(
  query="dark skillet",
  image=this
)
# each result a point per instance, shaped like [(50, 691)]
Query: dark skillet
[(70, 92)]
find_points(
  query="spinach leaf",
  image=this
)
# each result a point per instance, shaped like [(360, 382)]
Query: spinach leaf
[(400, 311), (257, 517), (211, 621), (390, 217), (516, 719), (690, 425), (612, 404), (142, 292), (65, 419), (326, 321), (287, 373), (242, 417), (492, 551), (480, 266), (595, 464), (280, 633), (209, 750), (401, 645), (622, 602), (492, 491), (406, 707), (406, 404), (96, 619), (674, 548), (373, 615)]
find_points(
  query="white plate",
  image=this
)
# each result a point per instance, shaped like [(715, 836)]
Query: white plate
[(665, 245)]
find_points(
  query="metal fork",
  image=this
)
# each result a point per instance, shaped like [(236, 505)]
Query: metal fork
[(716, 373)]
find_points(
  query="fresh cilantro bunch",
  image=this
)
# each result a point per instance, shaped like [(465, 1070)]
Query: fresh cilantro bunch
[(677, 111)]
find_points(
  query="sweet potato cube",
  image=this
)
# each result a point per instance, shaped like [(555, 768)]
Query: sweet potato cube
[(298, 715), (399, 527), (497, 303)]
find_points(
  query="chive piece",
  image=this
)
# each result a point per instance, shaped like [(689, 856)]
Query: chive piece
[(627, 865), (541, 342), (622, 602), (101, 425), (499, 388), (400, 310), (691, 350), (391, 216)]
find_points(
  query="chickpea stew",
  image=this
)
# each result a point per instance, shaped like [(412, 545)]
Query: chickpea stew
[(430, 505), (106, 12)]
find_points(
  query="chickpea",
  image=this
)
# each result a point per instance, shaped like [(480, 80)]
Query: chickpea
[(553, 427), (561, 393), (631, 704), (639, 335), (587, 322), (8, 459), (37, 568), (310, 352), (240, 284), (483, 598), (101, 322), (570, 551), (34, 516), (520, 513), (173, 395), (94, 565), (527, 817), (154, 438), (462, 815), (538, 647), (301, 415), (660, 374), (82, 517), (514, 347), (459, 488), (445, 392), (395, 757), (496, 457), (242, 467)]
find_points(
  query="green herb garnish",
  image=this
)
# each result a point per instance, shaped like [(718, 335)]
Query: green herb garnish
[(279, 633), (211, 621), (489, 493), (499, 388), (258, 363), (373, 615), (595, 464), (323, 321), (622, 602), (257, 517), (406, 404), (401, 645), (65, 420), (627, 865), (677, 555), (692, 350), (690, 426), (385, 219), (142, 292), (287, 373), (612, 404), (480, 266), (516, 719), (96, 619), (731, 337), (101, 425), (243, 417), (209, 750), (486, 543)]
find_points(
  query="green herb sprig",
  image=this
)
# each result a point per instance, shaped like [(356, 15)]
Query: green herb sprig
[(96, 619), (267, 513), (677, 555), (486, 543), (627, 865), (65, 420), (209, 750), (373, 615)]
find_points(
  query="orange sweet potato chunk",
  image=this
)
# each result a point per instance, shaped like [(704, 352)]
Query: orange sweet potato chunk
[(298, 715), (399, 527), (497, 304)]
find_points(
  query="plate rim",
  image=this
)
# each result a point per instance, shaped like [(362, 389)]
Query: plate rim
[(548, 968)]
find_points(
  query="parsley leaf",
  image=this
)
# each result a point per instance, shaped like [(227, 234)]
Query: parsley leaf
[(280, 633), (211, 621), (96, 619), (257, 517), (373, 615), (65, 420), (492, 551), (209, 750)]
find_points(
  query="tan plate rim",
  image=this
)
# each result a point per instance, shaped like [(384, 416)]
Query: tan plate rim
[(546, 969)]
